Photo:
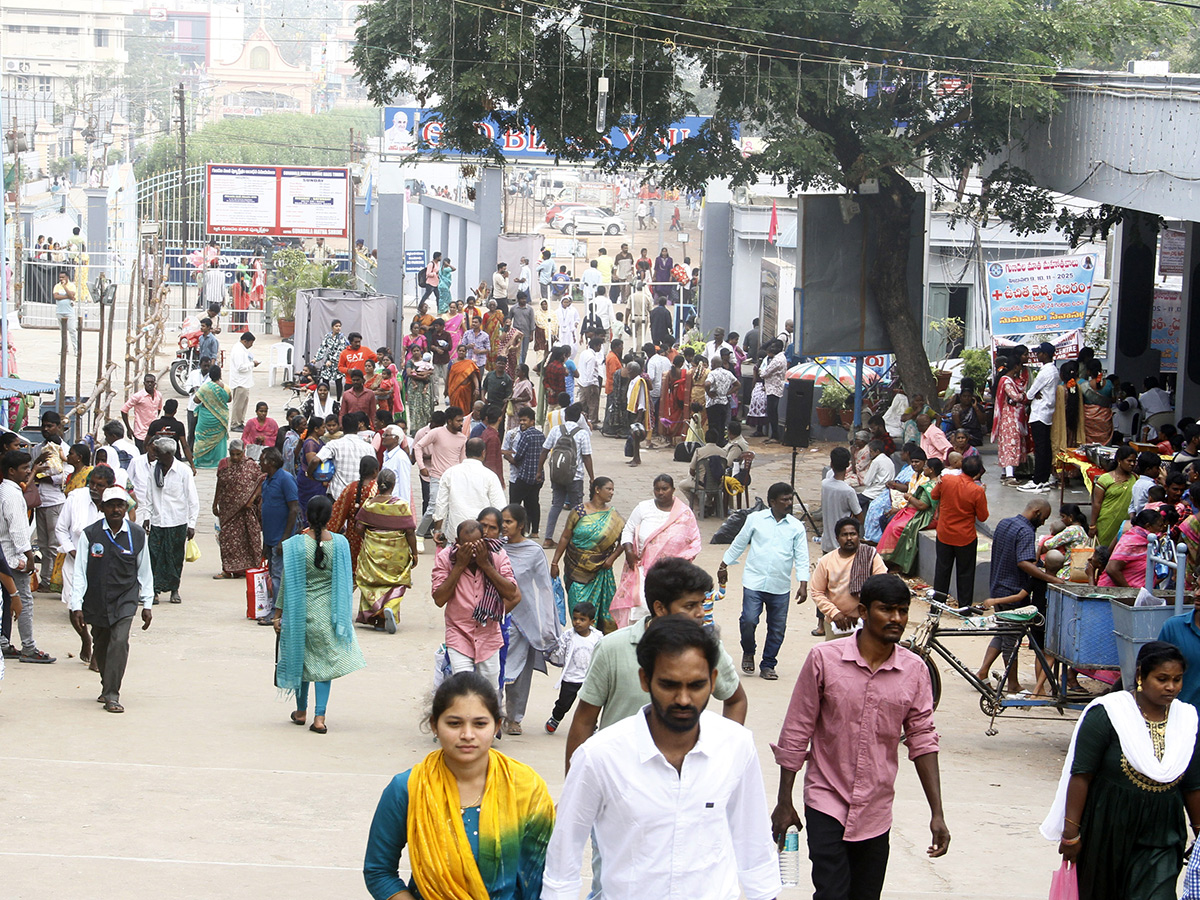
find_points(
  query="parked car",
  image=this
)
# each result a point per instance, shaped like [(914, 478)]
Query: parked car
[(559, 208), (588, 220)]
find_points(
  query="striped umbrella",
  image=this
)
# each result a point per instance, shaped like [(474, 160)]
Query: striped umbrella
[(823, 373)]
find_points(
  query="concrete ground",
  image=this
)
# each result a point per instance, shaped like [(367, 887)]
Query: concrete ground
[(203, 789)]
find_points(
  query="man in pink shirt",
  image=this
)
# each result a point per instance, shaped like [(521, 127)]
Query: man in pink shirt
[(474, 583), (851, 703), (146, 406), (933, 440), (440, 449)]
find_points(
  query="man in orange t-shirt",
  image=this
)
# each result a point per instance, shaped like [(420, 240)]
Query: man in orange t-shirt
[(612, 363), (961, 501), (355, 357)]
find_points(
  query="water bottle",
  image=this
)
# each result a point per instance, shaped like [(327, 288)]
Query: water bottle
[(789, 858)]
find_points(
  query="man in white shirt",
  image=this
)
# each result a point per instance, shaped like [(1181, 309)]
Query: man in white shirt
[(673, 793), (345, 452), (1041, 395), (397, 456), (657, 365), (591, 380), (1153, 400), (138, 474), (172, 507), (500, 286), (720, 385), (590, 280), (465, 490), (241, 379), (125, 449), (524, 280), (18, 553), (603, 309), (881, 471), (717, 344)]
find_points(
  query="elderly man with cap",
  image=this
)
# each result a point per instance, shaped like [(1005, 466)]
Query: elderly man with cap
[(112, 578), (1042, 394), (397, 456), (172, 507)]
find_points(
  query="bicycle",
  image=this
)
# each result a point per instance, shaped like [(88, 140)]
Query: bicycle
[(975, 622)]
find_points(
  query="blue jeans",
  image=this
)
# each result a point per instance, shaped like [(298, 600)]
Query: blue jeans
[(274, 555), (562, 498), (777, 610)]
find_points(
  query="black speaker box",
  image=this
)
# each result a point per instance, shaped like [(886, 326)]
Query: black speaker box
[(799, 406)]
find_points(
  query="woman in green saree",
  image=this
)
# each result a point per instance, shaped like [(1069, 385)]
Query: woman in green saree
[(898, 546), (388, 554), (1110, 497), (212, 421), (591, 543)]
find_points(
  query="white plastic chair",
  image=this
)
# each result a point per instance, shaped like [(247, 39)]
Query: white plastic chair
[(280, 358)]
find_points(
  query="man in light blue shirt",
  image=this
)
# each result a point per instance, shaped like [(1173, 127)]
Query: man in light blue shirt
[(778, 544), (545, 271), (1184, 632)]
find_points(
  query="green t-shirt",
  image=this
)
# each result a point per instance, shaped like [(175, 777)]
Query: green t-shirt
[(613, 682)]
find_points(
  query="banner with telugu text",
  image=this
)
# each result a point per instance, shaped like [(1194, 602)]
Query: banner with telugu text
[(1046, 294)]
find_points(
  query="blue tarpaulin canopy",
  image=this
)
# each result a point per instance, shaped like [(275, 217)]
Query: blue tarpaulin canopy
[(15, 387)]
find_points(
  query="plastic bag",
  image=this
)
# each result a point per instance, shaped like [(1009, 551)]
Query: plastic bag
[(732, 525), (1064, 884), (191, 550), (560, 600)]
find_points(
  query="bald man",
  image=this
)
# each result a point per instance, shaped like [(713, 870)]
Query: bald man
[(1016, 580)]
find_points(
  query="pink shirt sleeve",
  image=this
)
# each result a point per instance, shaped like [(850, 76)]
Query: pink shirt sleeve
[(919, 732), (795, 737)]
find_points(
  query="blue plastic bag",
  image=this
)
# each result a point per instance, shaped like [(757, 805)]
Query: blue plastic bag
[(560, 600)]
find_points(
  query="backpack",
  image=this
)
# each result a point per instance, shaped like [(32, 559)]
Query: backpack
[(564, 458)]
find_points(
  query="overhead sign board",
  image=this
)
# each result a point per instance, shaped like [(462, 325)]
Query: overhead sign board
[(297, 201), (414, 260), (417, 130), (1042, 294)]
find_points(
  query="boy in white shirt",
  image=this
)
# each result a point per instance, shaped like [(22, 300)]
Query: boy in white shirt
[(574, 653)]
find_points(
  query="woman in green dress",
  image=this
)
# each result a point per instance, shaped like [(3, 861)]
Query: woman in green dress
[(1110, 497), (314, 614), (591, 543), (1131, 771), (212, 422), (898, 546)]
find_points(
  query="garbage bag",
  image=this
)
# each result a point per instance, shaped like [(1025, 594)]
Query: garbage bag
[(732, 525)]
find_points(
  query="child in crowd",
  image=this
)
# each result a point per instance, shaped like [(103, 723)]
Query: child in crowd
[(711, 598), (573, 652)]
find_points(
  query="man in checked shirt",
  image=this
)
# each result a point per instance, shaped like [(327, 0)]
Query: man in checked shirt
[(851, 702)]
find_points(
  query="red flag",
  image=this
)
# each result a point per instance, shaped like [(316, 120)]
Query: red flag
[(774, 229)]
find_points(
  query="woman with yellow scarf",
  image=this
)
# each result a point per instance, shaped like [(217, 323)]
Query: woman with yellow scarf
[(475, 822)]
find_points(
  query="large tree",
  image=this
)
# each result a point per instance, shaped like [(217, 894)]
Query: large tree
[(846, 94)]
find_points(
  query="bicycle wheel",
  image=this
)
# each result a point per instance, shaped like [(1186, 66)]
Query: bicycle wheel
[(935, 680)]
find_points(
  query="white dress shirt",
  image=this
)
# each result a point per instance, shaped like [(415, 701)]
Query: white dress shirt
[(398, 460), (589, 281), (175, 502), (78, 513), (1041, 394), (139, 478), (881, 471), (463, 492), (14, 524), (79, 582), (590, 372), (195, 379), (695, 833), (712, 348), (242, 366), (604, 310), (656, 367)]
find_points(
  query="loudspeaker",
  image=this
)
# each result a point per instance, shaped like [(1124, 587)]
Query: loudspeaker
[(799, 406)]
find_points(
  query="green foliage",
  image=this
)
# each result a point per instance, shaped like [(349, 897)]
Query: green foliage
[(835, 396), (977, 365), (292, 272), (276, 139)]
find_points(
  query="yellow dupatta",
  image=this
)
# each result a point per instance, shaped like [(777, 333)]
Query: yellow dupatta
[(516, 816)]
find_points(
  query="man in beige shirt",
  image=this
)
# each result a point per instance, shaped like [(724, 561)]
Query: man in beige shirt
[(833, 583)]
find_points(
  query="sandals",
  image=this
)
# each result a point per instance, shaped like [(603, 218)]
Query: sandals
[(319, 729), (113, 707), (299, 721), (222, 576)]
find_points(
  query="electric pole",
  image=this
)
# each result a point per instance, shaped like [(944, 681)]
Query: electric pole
[(183, 197)]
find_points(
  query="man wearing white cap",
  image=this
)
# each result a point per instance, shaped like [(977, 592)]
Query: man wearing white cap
[(397, 456), (112, 579)]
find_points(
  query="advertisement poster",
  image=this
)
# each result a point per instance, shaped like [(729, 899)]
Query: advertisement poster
[(411, 129), (296, 201), (242, 199), (1170, 252), (1066, 345), (1046, 294), (313, 202), (1164, 327)]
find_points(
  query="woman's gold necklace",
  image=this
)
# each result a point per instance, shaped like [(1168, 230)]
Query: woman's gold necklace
[(478, 800)]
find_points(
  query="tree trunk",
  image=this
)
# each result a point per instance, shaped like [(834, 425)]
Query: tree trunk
[(889, 212)]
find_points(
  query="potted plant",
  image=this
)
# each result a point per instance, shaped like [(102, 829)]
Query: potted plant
[(291, 272), (833, 401)]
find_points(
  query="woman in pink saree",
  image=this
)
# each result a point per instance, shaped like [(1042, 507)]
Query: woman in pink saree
[(1010, 428), (456, 326), (656, 529)]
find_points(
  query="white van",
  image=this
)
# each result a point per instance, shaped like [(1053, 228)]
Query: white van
[(555, 186)]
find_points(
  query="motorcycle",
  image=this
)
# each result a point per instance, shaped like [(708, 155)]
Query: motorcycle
[(187, 358)]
